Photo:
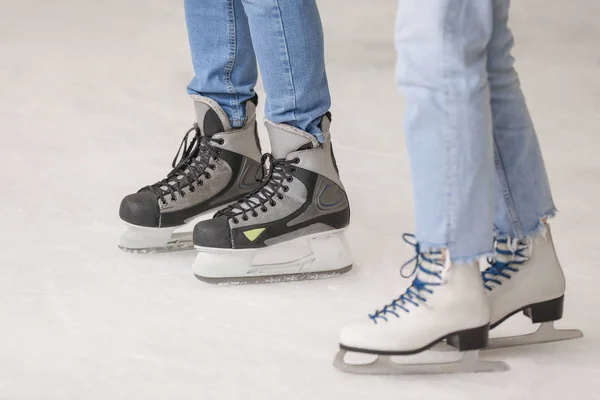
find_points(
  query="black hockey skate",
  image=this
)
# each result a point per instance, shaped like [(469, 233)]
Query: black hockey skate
[(291, 228), (214, 166)]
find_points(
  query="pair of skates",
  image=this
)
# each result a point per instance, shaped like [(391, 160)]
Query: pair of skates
[(282, 216), (257, 218), (451, 307)]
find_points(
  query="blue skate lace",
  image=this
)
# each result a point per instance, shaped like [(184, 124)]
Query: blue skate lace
[(412, 295), (499, 269)]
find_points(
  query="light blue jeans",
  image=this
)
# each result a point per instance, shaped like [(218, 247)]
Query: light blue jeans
[(228, 36), (477, 168)]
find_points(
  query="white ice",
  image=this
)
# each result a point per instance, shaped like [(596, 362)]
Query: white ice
[(93, 106)]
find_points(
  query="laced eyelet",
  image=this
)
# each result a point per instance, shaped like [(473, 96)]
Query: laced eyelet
[(164, 203), (221, 142), (272, 203), (245, 218), (219, 151), (280, 196), (289, 179), (207, 175), (212, 166), (264, 209), (236, 221), (286, 188), (296, 160), (173, 198), (192, 189), (254, 214), (201, 183)]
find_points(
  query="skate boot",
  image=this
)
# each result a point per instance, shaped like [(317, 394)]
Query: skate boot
[(526, 276), (291, 228), (214, 166), (444, 302)]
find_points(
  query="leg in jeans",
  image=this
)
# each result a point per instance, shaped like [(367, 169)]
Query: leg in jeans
[(525, 271), (301, 207), (222, 55), (442, 73), (442, 69), (288, 40), (218, 157), (523, 195)]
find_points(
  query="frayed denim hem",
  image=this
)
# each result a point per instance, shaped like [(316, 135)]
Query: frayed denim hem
[(426, 247), (539, 230), (471, 259)]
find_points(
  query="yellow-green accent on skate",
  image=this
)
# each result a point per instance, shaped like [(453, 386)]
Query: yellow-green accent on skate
[(253, 234)]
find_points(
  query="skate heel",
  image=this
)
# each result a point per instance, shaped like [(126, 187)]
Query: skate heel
[(547, 311), (470, 339)]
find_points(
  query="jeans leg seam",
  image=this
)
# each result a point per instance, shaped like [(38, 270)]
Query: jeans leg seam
[(450, 173), (508, 198), (287, 54), (231, 62)]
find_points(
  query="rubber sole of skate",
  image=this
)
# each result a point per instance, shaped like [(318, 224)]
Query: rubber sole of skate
[(178, 242), (469, 362), (264, 279)]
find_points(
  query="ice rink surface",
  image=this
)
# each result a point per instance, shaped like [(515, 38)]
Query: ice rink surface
[(93, 106)]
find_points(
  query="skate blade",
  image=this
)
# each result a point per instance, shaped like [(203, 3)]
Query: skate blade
[(144, 240), (262, 279), (317, 256), (546, 333), (178, 242), (384, 365)]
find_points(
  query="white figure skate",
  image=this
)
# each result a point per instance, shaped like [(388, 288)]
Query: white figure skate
[(526, 276), (444, 302)]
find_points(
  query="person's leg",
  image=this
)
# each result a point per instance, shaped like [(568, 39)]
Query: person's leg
[(293, 226), (523, 195), (525, 272), (219, 156), (442, 72), (288, 41), (222, 55)]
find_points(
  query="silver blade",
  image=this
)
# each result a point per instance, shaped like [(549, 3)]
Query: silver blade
[(546, 333), (178, 242), (275, 278), (384, 365)]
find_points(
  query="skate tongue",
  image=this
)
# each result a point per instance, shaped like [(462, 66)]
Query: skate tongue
[(210, 116), (286, 139)]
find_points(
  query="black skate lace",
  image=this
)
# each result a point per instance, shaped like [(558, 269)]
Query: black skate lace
[(273, 181), (412, 295), (189, 165)]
